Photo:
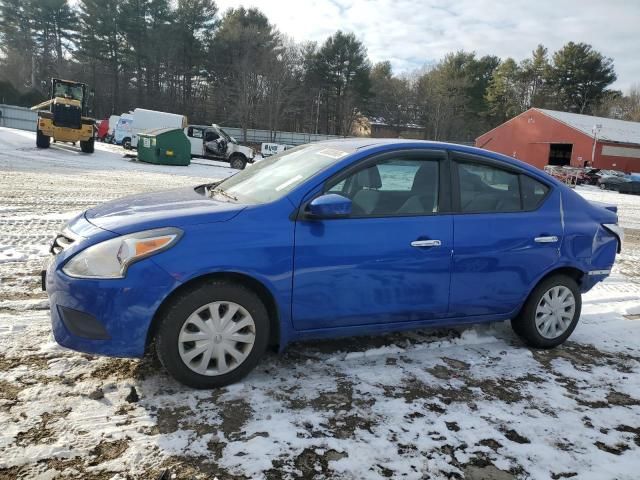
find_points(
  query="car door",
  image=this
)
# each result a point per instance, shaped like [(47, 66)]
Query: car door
[(195, 136), (389, 261), (508, 231)]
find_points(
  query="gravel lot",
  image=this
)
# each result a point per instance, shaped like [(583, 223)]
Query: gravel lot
[(462, 403)]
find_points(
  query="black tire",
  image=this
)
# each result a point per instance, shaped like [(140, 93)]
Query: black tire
[(126, 143), (42, 140), (524, 324), (238, 161), (181, 307), (88, 146), (602, 186)]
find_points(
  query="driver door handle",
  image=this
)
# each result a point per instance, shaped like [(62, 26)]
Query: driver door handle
[(426, 243), (548, 239)]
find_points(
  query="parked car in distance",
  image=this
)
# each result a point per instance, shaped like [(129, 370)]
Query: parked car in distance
[(211, 141), (632, 186), (102, 129), (331, 239), (122, 133), (113, 122), (612, 181), (614, 173), (591, 176)]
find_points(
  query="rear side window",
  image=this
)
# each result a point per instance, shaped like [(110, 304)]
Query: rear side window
[(533, 192), (489, 188), (485, 188)]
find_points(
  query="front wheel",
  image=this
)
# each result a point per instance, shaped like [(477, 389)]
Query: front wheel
[(238, 162), (550, 314), (213, 335), (42, 140), (126, 143)]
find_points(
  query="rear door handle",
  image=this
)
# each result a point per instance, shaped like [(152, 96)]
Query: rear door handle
[(426, 243), (548, 239)]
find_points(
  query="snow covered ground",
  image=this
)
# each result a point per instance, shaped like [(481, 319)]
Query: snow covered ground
[(464, 403)]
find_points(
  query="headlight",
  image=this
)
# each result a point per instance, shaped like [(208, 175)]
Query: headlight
[(111, 258)]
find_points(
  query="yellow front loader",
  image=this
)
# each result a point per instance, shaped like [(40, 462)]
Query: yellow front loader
[(64, 116)]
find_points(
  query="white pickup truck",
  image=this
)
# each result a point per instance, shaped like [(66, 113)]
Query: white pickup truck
[(211, 141)]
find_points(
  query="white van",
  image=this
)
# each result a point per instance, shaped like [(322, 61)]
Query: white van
[(211, 141), (150, 120), (113, 121), (122, 132)]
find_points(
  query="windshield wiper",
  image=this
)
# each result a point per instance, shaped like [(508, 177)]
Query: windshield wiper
[(220, 191)]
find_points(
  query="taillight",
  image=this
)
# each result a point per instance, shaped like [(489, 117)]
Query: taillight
[(617, 231)]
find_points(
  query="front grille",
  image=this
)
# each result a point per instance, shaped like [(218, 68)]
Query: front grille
[(68, 116), (61, 242)]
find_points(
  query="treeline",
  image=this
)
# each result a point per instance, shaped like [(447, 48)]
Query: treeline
[(235, 68)]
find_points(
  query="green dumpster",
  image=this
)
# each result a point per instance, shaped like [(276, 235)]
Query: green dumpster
[(164, 146)]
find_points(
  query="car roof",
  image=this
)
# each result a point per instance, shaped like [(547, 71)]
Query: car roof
[(353, 145)]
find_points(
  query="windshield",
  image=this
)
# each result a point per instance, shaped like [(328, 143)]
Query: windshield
[(274, 177), (227, 137), (66, 90)]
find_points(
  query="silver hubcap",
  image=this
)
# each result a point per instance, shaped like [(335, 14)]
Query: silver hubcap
[(555, 312), (216, 338)]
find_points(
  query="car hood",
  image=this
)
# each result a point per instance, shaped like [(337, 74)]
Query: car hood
[(166, 208)]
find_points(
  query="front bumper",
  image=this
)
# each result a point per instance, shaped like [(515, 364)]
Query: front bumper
[(106, 317)]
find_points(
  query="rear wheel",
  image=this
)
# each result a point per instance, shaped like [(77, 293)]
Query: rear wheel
[(42, 140), (238, 161), (213, 335), (550, 314), (126, 143), (88, 146)]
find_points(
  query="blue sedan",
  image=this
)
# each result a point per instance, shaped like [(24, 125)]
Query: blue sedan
[(330, 239)]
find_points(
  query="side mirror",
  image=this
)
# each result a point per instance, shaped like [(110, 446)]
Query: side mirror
[(330, 205)]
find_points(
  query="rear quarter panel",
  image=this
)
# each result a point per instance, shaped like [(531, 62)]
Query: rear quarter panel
[(587, 244)]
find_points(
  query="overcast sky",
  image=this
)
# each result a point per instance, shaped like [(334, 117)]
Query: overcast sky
[(412, 33)]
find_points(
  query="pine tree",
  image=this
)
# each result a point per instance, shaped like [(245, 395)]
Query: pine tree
[(579, 77)]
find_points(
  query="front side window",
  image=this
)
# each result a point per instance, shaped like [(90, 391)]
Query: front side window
[(392, 187)]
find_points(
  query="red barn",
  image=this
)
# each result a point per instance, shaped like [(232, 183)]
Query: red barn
[(547, 137)]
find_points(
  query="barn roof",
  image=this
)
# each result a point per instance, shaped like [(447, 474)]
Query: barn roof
[(619, 131)]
